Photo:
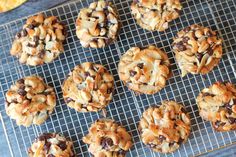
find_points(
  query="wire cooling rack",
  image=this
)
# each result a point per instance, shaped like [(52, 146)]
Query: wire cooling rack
[(126, 108)]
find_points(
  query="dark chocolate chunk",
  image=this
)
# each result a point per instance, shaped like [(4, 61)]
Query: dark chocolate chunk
[(50, 155), (161, 138), (232, 120), (199, 56), (35, 38), (187, 29), (41, 53), (106, 143), (140, 65), (21, 81), (62, 145), (210, 51), (24, 33), (132, 73), (186, 39), (109, 90), (171, 143), (68, 100), (32, 45), (46, 147)]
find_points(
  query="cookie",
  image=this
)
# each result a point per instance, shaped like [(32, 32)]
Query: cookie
[(40, 41), (98, 25), (144, 70), (51, 145), (165, 128), (89, 87), (30, 101), (107, 139), (217, 104), (197, 49), (155, 14), (6, 5)]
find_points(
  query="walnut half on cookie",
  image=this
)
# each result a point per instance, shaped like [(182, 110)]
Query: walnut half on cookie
[(40, 41), (155, 14), (98, 25), (217, 104), (30, 101), (107, 139), (144, 70), (165, 128), (88, 88), (197, 49)]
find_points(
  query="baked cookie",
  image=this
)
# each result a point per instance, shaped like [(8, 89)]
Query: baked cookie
[(6, 5), (108, 139), (144, 70), (30, 101), (89, 87), (51, 145), (197, 49), (165, 128), (217, 104), (40, 41), (98, 25), (155, 14)]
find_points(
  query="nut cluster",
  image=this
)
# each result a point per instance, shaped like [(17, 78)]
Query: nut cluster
[(197, 49), (98, 25), (40, 41)]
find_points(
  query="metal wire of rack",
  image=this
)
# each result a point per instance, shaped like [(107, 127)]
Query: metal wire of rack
[(126, 107)]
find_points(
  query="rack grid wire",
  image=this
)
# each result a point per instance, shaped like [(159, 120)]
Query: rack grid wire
[(126, 107)]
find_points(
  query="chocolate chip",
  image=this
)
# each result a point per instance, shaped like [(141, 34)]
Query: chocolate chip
[(18, 35), (180, 141), (50, 155), (171, 143), (21, 92), (199, 56), (151, 145), (32, 45), (68, 100), (232, 120), (183, 110), (219, 123), (132, 73), (35, 38), (30, 26), (187, 29), (21, 81), (62, 145), (161, 138), (209, 34), (45, 136), (180, 46), (86, 74), (140, 65), (24, 33), (47, 146), (122, 152), (210, 51), (106, 143), (41, 54), (208, 94), (109, 90), (185, 39)]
